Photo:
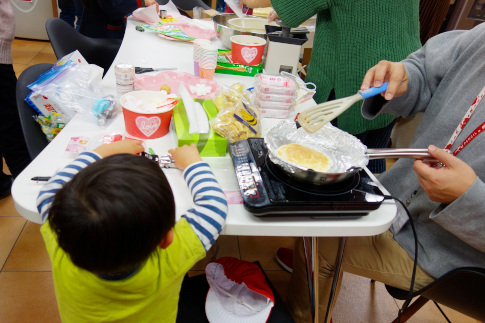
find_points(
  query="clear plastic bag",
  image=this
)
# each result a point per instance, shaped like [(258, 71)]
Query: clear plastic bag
[(74, 88), (237, 118)]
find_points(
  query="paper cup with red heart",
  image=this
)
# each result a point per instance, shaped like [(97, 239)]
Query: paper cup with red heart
[(247, 49), (147, 114)]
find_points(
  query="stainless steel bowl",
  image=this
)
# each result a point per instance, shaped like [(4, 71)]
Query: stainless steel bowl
[(224, 32)]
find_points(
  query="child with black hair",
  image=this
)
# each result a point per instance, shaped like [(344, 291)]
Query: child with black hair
[(117, 252)]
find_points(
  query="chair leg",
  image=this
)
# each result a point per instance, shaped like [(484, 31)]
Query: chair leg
[(413, 308)]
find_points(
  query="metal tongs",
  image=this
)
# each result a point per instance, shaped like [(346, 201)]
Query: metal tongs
[(141, 70), (416, 153), (165, 161)]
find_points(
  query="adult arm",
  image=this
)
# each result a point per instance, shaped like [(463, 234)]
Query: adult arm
[(295, 12), (413, 81), (460, 193)]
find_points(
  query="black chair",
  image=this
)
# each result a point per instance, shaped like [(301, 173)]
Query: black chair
[(34, 137), (460, 289), (65, 39)]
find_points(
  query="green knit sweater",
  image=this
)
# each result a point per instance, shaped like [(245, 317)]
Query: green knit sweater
[(352, 36)]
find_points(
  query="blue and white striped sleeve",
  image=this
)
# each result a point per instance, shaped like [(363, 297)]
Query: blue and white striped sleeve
[(49, 190), (208, 216)]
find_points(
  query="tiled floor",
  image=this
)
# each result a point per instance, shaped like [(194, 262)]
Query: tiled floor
[(26, 290)]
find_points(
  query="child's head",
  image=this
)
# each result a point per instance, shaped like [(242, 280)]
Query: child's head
[(113, 214)]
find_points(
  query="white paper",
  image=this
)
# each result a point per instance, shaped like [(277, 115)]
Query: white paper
[(202, 120), (171, 9)]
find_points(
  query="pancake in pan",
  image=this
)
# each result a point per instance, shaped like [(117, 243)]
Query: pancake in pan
[(305, 157)]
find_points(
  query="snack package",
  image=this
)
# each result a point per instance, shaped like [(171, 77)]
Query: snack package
[(230, 95), (51, 125), (78, 144), (225, 65), (238, 121)]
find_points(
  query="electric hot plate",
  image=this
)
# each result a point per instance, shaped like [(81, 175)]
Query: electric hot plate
[(268, 191)]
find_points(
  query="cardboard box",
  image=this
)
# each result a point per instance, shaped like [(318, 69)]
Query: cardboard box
[(209, 144)]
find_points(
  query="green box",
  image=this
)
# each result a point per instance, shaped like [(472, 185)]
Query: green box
[(225, 66), (209, 144)]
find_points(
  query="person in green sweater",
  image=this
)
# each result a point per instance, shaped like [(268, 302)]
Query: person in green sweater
[(350, 38)]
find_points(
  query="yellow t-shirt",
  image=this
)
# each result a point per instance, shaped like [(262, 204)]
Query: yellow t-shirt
[(150, 295)]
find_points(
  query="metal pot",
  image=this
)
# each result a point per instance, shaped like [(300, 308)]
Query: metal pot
[(318, 178), (347, 153), (224, 31)]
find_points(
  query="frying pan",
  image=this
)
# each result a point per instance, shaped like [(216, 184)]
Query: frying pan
[(347, 154)]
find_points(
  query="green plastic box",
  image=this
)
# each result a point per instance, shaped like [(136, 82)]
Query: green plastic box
[(209, 144)]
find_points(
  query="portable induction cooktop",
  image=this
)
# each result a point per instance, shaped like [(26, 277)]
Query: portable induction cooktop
[(268, 191)]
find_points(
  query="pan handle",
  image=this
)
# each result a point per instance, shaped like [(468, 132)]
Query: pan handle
[(416, 153)]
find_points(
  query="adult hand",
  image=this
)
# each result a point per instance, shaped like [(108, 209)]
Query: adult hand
[(444, 184), (150, 2), (120, 147), (273, 16), (185, 156), (384, 71)]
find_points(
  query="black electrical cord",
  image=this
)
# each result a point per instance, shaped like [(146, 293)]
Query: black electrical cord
[(413, 276)]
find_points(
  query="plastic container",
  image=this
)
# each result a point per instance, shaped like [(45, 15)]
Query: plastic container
[(275, 113), (268, 80), (265, 96), (272, 105), (264, 88)]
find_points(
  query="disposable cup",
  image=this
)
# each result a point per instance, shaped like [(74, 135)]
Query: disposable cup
[(197, 45), (143, 124), (247, 49), (207, 73)]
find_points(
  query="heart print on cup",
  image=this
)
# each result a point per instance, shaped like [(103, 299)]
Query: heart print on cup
[(247, 49)]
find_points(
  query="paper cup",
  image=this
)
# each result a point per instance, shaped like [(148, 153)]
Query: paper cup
[(143, 124), (197, 47), (247, 50)]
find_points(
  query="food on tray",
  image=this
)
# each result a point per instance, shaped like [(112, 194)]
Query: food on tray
[(305, 157), (149, 82), (200, 89), (149, 104), (166, 88)]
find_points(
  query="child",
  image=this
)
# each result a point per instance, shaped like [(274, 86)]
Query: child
[(109, 228)]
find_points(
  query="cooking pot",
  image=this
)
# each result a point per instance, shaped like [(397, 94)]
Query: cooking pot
[(346, 153), (225, 31)]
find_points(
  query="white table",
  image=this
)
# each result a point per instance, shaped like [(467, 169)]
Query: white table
[(146, 49)]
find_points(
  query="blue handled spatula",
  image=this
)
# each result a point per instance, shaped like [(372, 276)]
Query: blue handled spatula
[(316, 117)]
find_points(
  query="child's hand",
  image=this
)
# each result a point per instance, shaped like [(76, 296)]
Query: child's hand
[(120, 147), (185, 156)]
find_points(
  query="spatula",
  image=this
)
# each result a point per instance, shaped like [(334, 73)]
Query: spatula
[(316, 117)]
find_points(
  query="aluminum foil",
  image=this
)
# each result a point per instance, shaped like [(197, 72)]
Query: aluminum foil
[(343, 149)]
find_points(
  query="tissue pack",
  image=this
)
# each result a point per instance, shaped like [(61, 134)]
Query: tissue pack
[(209, 144)]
